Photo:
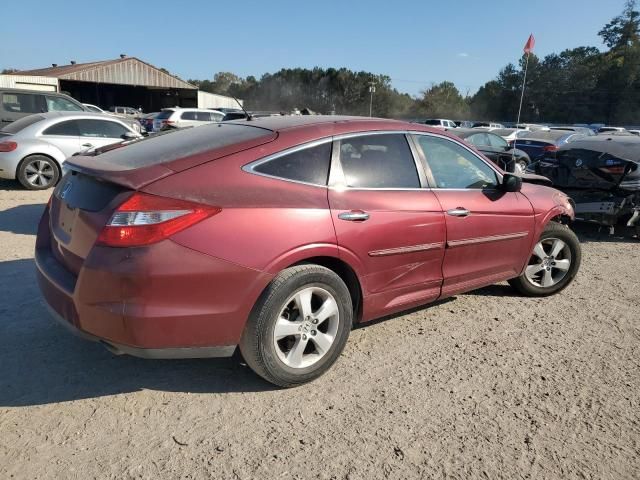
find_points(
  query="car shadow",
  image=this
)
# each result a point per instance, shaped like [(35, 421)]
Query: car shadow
[(22, 219), (10, 185), (42, 363)]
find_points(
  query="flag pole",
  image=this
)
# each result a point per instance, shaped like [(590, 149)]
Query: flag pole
[(524, 81), (527, 48)]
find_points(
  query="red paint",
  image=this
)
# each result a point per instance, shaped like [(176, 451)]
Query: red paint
[(197, 287)]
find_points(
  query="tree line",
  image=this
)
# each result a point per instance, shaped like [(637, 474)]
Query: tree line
[(579, 85)]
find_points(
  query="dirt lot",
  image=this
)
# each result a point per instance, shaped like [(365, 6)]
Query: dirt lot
[(486, 385)]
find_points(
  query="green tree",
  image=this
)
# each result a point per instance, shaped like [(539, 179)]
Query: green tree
[(442, 100), (621, 79)]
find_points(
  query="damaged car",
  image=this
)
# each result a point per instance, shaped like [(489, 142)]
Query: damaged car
[(602, 176)]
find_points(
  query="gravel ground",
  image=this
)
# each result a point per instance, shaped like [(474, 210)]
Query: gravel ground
[(486, 385)]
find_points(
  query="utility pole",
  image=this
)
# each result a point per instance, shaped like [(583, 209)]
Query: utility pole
[(372, 90)]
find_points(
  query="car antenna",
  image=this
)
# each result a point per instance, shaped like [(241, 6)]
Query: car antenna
[(249, 116)]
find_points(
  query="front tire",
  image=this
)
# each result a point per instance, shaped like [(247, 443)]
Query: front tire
[(553, 264), (38, 172), (299, 326)]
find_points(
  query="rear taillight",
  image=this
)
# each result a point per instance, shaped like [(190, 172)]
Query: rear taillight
[(8, 146), (550, 148), (144, 219)]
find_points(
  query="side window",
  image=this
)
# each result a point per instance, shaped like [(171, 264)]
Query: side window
[(478, 139), (309, 165), (497, 141), (216, 117), (378, 161), (188, 116), (21, 103), (453, 166), (101, 129), (60, 104), (67, 129)]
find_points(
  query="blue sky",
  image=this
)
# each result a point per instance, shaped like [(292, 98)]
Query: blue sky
[(414, 42)]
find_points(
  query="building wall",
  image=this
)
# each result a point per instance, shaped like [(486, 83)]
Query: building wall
[(29, 82), (211, 100)]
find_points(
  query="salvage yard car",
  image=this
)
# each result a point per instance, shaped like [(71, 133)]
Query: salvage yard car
[(495, 148), (33, 149), (602, 176), (276, 235)]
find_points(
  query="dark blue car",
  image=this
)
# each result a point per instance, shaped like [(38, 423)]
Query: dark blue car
[(537, 143)]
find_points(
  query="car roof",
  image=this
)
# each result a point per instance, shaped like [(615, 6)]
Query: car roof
[(626, 147), (467, 132), (189, 109), (547, 135), (59, 114)]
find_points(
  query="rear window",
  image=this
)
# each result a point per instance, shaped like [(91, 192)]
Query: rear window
[(310, 165), (432, 122), (164, 148), (22, 123)]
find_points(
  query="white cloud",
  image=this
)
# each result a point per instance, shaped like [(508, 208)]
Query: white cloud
[(463, 55)]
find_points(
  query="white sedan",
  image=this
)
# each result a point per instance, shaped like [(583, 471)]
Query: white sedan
[(33, 148)]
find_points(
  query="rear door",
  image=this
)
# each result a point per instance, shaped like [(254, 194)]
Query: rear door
[(488, 231), (387, 221)]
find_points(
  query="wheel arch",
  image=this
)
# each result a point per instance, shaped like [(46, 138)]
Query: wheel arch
[(346, 273), (33, 154)]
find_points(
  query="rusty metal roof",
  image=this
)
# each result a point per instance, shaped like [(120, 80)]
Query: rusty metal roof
[(122, 71)]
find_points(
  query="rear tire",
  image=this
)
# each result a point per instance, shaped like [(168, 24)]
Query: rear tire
[(553, 264), (299, 326), (38, 172)]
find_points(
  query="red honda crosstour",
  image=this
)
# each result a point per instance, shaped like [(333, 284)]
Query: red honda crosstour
[(276, 235)]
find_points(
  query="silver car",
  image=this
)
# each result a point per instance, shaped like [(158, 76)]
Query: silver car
[(33, 149), (170, 118)]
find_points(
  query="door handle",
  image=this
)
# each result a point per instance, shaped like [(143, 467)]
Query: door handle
[(88, 145), (354, 216), (459, 212)]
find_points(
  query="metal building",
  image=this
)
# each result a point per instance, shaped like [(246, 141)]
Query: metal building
[(126, 81)]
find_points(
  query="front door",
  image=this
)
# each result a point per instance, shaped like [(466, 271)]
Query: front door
[(96, 133), (489, 231), (386, 218)]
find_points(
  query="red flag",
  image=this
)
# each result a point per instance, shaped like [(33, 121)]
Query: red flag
[(528, 47)]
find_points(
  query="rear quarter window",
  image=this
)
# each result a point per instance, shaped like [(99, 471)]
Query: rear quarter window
[(309, 165)]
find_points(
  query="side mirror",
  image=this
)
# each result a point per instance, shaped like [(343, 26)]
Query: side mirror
[(511, 183), (129, 136)]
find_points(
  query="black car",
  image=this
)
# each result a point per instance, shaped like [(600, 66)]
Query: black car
[(495, 148), (602, 176)]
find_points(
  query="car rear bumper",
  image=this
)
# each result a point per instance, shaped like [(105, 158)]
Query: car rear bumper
[(8, 165), (160, 301), (149, 353)]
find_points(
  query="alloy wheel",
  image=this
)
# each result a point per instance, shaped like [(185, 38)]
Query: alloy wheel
[(549, 263), (306, 327), (39, 173)]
